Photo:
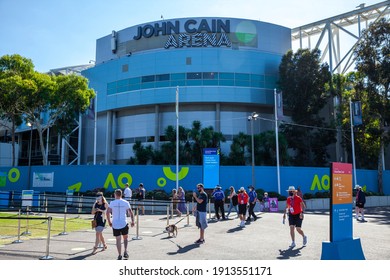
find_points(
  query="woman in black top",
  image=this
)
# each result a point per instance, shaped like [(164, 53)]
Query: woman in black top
[(99, 211)]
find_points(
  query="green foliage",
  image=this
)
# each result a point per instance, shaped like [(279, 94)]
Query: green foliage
[(305, 85), (372, 55)]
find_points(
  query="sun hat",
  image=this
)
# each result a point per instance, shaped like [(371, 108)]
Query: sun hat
[(291, 189), (242, 189), (358, 187)]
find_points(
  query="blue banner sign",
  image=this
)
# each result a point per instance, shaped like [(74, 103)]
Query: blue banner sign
[(210, 167)]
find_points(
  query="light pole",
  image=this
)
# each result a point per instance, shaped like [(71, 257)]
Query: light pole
[(29, 155), (252, 118)]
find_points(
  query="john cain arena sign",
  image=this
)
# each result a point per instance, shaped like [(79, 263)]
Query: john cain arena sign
[(192, 33)]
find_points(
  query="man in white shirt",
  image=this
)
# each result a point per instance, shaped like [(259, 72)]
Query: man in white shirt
[(127, 192), (120, 209)]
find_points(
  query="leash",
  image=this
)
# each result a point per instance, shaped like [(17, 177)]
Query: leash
[(181, 219)]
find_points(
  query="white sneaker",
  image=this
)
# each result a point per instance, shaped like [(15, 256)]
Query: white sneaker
[(304, 240), (292, 245)]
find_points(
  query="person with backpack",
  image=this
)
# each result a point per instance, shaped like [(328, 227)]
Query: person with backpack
[(219, 202), (233, 197)]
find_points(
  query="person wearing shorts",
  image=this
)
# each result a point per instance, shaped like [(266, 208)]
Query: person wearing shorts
[(294, 208), (201, 212), (360, 201), (243, 198), (117, 213)]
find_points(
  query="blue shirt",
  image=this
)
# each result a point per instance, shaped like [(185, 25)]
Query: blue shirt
[(218, 195), (252, 196)]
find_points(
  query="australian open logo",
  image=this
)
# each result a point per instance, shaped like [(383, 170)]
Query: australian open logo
[(196, 34)]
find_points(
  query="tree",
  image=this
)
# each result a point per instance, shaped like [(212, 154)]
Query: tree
[(304, 80), (372, 55), (15, 84), (237, 149), (57, 100)]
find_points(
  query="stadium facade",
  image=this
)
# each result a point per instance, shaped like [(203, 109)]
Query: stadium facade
[(223, 68)]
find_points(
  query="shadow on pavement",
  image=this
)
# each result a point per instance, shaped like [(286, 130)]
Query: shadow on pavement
[(289, 253)]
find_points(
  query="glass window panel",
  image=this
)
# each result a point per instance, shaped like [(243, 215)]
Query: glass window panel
[(135, 80), (162, 77), (178, 83), (194, 82), (210, 75), (242, 76), (122, 83), (163, 84), (241, 83), (210, 82), (147, 79), (194, 75), (178, 76), (111, 85), (226, 82), (226, 76)]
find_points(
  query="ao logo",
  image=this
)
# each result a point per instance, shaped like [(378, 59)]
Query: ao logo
[(161, 182), (125, 177)]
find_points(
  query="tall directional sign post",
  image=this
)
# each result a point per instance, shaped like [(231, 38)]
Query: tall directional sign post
[(342, 245), (210, 167)]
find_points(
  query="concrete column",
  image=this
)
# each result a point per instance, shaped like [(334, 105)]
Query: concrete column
[(107, 156), (218, 117), (156, 126)]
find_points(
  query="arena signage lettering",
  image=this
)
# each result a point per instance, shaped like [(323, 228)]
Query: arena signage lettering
[(196, 34)]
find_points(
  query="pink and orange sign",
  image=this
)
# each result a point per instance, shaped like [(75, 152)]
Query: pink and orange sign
[(342, 183)]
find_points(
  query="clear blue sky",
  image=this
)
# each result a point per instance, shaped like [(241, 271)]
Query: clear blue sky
[(56, 34)]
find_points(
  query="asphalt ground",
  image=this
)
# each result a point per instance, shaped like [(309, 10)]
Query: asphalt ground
[(265, 239)]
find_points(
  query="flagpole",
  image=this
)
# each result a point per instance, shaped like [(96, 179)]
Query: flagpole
[(177, 137), (277, 139), (95, 131), (353, 143)]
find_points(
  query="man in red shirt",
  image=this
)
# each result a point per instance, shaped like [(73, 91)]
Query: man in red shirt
[(294, 208)]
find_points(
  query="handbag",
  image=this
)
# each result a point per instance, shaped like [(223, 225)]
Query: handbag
[(93, 223)]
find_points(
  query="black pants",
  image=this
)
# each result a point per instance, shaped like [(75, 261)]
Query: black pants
[(219, 206), (251, 212)]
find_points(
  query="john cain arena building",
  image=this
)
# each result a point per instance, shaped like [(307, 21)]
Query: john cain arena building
[(224, 69)]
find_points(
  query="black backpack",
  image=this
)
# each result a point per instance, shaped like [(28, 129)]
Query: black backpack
[(235, 200)]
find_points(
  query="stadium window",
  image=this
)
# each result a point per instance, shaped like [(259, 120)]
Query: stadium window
[(194, 76), (147, 79)]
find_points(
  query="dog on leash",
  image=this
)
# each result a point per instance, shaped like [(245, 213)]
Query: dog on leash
[(171, 230)]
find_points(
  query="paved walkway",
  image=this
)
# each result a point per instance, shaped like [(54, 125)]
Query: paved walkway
[(265, 239)]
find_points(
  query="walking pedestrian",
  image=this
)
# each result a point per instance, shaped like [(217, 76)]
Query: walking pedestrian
[(98, 210), (120, 209), (127, 193), (219, 202), (294, 208), (252, 203), (201, 212), (242, 205), (140, 197), (233, 197), (359, 203), (181, 196)]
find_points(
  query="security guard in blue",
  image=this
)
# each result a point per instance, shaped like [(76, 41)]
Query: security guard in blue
[(219, 202), (252, 203)]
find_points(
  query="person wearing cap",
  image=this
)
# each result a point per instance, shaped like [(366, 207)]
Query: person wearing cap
[(252, 203), (294, 208), (127, 193), (359, 203), (242, 204), (219, 202)]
